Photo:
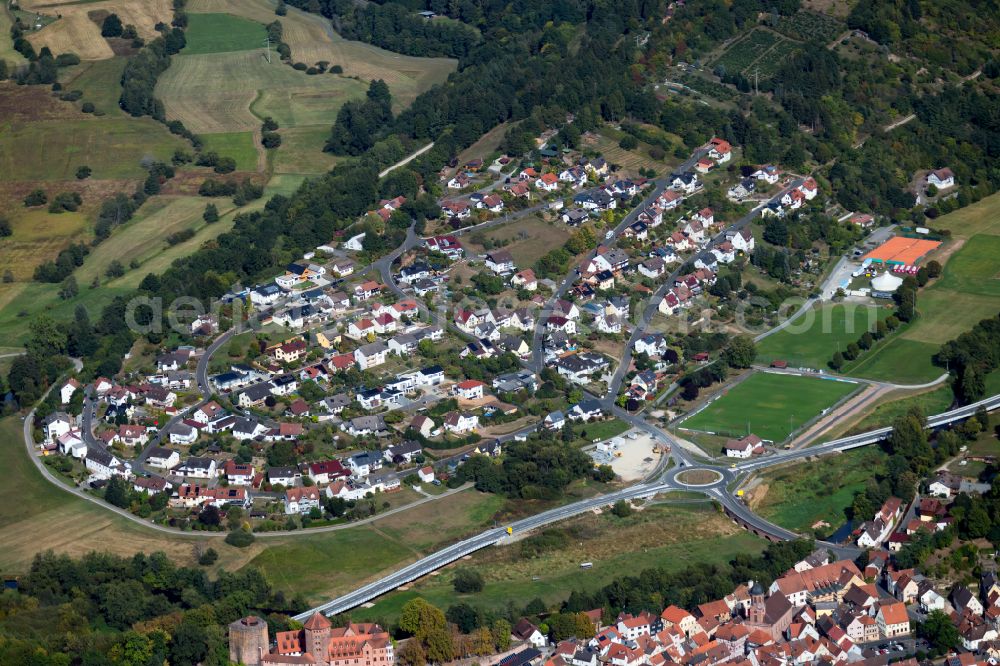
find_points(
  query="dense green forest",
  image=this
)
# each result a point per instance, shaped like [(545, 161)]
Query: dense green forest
[(139, 611)]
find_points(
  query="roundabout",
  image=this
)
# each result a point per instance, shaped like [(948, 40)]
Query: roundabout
[(698, 477)]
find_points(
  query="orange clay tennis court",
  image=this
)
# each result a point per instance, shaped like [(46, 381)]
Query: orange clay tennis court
[(900, 250)]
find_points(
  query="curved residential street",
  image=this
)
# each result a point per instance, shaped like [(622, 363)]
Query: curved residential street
[(665, 478)]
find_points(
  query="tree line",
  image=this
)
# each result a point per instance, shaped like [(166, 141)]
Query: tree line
[(970, 358), (138, 610)]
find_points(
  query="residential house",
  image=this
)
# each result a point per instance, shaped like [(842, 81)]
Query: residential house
[(685, 182), (67, 390), (470, 389), (744, 447), (164, 458), (652, 344), (103, 465), (365, 425), (56, 424), (302, 500), (371, 355), (500, 262), (941, 178), (460, 423), (720, 150), (893, 620), (768, 173), (525, 631), (423, 425), (197, 468)]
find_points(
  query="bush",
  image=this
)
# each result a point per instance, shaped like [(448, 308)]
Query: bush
[(211, 214), (208, 558), (301, 66), (112, 26), (83, 172), (240, 538), (468, 581), (180, 236), (628, 142), (225, 165), (622, 509), (67, 59), (36, 198), (71, 96), (115, 269), (270, 139), (336, 69), (65, 201), (88, 107)]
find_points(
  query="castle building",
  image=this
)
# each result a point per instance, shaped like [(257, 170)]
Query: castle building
[(318, 643)]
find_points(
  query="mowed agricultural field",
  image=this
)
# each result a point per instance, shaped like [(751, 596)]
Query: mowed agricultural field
[(312, 39), (668, 537), (799, 495), (218, 33), (769, 405), (810, 340), (238, 145), (77, 32)]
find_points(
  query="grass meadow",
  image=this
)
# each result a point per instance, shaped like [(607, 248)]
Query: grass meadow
[(769, 405), (219, 33), (810, 341), (113, 147), (670, 537), (99, 81), (798, 496), (238, 145)]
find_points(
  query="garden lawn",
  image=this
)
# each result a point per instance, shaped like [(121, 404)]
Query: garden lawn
[(811, 340), (668, 537), (602, 430), (769, 405), (798, 496), (219, 33)]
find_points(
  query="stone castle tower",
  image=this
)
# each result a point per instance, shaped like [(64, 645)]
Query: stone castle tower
[(317, 637), (248, 640)]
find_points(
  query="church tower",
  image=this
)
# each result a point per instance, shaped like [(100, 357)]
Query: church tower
[(756, 613)]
